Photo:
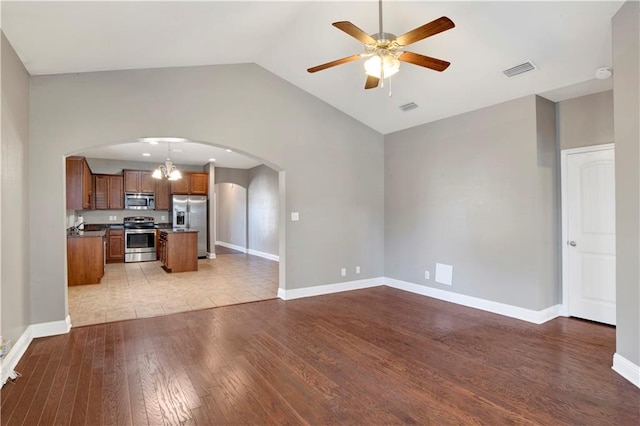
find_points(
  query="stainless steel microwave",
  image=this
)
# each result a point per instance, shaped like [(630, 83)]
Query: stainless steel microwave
[(139, 201)]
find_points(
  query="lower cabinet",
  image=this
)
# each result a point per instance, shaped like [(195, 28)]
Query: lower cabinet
[(85, 260), (115, 246), (178, 251)]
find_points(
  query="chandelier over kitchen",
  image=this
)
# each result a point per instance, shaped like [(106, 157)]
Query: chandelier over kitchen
[(167, 170)]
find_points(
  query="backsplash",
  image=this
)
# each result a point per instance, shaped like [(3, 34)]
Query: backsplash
[(102, 216)]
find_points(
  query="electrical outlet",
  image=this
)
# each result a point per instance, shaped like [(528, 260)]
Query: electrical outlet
[(357, 269), (163, 218), (295, 216), (426, 275), (343, 272)]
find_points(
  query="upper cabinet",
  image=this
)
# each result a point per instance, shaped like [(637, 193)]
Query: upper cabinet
[(191, 184), (108, 192), (79, 184), (139, 181), (162, 194)]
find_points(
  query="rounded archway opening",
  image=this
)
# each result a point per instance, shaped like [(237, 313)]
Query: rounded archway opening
[(222, 279)]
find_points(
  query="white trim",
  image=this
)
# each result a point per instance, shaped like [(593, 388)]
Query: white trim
[(33, 331), (298, 293), (626, 369), (529, 315), (231, 246), (211, 255), (52, 328), (564, 193), (265, 255), (13, 357)]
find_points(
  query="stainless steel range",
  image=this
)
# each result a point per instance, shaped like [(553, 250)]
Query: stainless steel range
[(139, 239)]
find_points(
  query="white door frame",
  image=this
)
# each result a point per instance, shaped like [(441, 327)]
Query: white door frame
[(564, 193)]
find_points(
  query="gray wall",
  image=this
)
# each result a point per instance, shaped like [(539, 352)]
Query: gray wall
[(262, 210), (261, 215), (231, 215), (243, 107), (14, 201), (477, 191), (585, 121), (231, 175), (626, 94)]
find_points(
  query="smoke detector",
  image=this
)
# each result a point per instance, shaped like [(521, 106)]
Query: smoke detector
[(603, 73)]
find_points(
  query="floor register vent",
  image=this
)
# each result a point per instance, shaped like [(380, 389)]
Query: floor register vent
[(520, 69)]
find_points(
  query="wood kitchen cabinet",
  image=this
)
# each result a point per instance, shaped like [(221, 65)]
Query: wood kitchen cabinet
[(79, 182), (85, 260), (178, 251), (139, 181), (115, 246), (191, 184), (108, 192), (163, 198)]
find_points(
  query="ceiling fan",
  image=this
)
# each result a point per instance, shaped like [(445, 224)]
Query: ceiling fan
[(384, 50)]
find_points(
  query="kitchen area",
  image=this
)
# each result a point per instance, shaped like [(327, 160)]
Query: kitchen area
[(175, 231), (138, 246)]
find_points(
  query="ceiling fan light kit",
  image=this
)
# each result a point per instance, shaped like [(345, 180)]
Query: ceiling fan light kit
[(384, 50)]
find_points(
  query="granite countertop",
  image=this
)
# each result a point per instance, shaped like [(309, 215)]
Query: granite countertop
[(86, 234), (179, 231)]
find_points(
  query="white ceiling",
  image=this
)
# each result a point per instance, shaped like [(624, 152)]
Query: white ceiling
[(568, 41), (188, 152)]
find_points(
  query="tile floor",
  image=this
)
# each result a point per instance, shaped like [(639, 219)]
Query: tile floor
[(139, 290)]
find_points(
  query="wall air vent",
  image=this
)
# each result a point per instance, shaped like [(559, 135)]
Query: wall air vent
[(408, 107), (520, 69)]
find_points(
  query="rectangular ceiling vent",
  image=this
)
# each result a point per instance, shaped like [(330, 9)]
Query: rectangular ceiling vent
[(520, 69), (408, 107)]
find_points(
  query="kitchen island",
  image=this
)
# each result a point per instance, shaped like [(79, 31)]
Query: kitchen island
[(85, 257), (178, 250)]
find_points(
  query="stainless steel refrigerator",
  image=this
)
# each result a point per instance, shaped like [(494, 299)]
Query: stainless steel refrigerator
[(190, 212)]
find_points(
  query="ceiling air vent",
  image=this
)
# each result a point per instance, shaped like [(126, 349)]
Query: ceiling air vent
[(520, 69), (408, 107)]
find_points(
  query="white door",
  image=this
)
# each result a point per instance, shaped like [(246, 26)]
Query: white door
[(590, 244)]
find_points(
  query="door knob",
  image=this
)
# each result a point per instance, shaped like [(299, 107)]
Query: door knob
[(572, 243)]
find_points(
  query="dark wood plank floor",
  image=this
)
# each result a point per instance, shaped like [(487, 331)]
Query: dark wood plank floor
[(375, 356)]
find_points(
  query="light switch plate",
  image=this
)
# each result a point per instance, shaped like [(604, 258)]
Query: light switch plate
[(295, 216)]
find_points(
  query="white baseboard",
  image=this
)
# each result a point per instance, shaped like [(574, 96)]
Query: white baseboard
[(298, 293), (211, 255), (33, 331), (264, 255), (13, 357), (536, 317), (52, 328), (231, 246), (249, 251), (626, 369)]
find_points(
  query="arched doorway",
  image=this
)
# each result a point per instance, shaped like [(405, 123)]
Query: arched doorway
[(133, 290)]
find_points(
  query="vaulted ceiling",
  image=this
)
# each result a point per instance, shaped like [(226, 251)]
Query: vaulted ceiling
[(567, 41)]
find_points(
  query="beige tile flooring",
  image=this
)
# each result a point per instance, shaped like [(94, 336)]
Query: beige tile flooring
[(139, 290)]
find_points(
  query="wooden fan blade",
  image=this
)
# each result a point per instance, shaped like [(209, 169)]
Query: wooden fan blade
[(334, 63), (427, 30), (354, 31), (371, 82), (424, 61)]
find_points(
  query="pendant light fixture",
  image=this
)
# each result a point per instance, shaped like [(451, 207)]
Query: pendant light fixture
[(167, 170)]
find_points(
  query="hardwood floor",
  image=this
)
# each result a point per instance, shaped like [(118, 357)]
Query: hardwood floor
[(374, 356)]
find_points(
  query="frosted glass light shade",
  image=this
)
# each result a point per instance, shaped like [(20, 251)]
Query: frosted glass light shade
[(389, 63)]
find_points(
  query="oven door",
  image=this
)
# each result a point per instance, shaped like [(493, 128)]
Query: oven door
[(140, 245)]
